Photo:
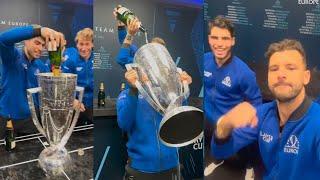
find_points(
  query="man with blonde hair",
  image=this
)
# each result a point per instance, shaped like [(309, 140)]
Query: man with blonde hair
[(80, 61)]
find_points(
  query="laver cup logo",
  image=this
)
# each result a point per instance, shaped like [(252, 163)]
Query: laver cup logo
[(292, 145)]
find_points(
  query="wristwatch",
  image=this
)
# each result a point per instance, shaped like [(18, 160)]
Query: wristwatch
[(36, 30), (129, 37)]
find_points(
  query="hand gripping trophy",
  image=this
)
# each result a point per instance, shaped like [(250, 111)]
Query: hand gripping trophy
[(180, 125), (56, 93)]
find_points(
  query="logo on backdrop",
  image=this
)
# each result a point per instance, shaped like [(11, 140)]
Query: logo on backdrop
[(173, 16), (104, 29), (13, 23), (309, 2)]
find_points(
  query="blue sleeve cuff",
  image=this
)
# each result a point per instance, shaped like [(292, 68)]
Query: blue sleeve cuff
[(222, 148), (124, 57), (15, 35), (122, 33), (126, 109)]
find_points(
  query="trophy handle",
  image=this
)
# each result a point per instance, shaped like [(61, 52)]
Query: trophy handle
[(34, 116), (65, 138), (153, 101), (184, 86)]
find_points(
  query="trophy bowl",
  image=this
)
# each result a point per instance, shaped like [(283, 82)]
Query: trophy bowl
[(181, 127), (160, 85), (54, 100)]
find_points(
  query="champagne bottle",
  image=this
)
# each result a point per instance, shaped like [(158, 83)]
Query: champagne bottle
[(124, 14), (10, 142), (55, 56), (101, 96)]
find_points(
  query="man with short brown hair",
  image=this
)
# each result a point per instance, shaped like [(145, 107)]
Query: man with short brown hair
[(19, 70), (227, 82), (287, 129)]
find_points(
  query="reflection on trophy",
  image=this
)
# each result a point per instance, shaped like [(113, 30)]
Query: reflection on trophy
[(56, 96), (159, 83)]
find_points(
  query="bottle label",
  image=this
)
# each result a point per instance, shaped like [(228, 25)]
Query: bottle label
[(122, 10), (10, 144), (13, 144)]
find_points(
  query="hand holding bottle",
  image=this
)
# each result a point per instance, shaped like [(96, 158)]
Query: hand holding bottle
[(51, 35), (133, 26)]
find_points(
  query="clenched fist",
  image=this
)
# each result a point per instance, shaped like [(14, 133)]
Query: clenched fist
[(242, 115)]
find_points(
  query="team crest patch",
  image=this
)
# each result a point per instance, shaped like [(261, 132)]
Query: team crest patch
[(207, 74), (227, 81), (292, 145)]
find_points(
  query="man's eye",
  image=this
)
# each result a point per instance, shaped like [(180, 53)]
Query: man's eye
[(291, 67), (273, 69), (214, 37)]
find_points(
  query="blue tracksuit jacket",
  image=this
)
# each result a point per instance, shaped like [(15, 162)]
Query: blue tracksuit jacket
[(141, 122), (227, 86), (84, 69), (18, 73), (125, 55), (292, 154)]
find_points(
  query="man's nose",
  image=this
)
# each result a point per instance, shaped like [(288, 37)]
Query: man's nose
[(39, 47), (282, 75), (219, 42)]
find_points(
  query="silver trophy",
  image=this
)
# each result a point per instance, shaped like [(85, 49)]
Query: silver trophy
[(58, 119), (159, 83)]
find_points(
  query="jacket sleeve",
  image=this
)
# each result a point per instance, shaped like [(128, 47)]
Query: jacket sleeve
[(122, 33), (250, 89), (46, 66), (238, 139), (126, 109), (8, 38), (14, 35), (317, 145), (124, 57), (318, 152), (125, 54), (68, 65)]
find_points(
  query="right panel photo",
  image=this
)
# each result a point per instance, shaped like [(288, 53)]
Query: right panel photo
[(148, 90), (261, 89)]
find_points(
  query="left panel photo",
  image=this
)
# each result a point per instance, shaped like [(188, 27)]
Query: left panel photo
[(46, 91)]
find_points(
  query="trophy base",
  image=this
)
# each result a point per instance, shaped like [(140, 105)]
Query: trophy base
[(181, 126), (54, 161)]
